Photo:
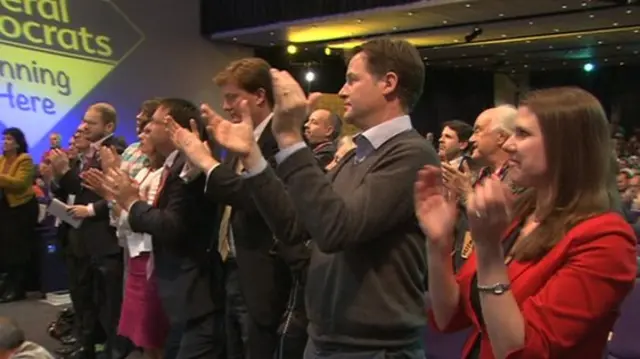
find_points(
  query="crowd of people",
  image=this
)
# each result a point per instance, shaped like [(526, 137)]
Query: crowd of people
[(263, 233)]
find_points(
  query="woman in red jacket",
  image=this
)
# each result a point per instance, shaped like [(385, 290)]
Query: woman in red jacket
[(549, 271)]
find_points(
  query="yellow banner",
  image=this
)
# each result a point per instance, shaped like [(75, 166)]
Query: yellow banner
[(53, 53)]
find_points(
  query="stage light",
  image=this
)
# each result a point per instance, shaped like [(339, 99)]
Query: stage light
[(588, 67), (310, 76), (292, 49), (327, 51)]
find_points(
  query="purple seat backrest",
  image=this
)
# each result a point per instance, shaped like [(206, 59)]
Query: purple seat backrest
[(443, 346), (625, 340)]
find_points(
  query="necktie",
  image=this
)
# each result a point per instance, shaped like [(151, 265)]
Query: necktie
[(363, 148), (224, 247)]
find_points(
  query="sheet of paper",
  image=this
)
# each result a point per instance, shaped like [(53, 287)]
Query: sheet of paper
[(58, 209)]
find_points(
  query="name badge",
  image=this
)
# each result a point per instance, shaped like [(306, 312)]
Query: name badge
[(467, 246)]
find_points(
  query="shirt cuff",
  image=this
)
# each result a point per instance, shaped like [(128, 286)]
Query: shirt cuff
[(257, 169), (209, 172), (123, 221), (92, 211), (288, 151), (189, 172)]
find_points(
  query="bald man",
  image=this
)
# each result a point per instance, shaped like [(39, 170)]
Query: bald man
[(321, 130), (96, 267)]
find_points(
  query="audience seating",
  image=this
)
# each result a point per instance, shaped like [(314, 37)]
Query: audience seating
[(625, 338)]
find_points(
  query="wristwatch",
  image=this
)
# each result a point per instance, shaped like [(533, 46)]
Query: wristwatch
[(497, 289)]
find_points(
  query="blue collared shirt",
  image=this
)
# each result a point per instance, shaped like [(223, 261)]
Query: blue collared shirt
[(376, 136)]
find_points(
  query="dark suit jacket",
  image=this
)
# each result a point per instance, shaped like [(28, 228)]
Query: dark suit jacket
[(181, 227), (324, 153), (581, 281), (95, 232), (60, 194), (263, 263)]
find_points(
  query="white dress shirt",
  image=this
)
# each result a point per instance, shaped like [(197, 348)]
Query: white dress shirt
[(138, 243)]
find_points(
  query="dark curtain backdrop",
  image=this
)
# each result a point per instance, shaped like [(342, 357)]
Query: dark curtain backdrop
[(617, 88), (448, 94), (220, 16)]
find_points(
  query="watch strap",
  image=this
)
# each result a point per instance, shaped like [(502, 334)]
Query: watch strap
[(497, 289)]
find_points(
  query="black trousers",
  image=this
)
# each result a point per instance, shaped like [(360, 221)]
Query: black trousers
[(237, 318), (198, 338), (95, 285)]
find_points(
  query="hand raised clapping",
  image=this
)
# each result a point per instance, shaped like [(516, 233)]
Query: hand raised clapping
[(291, 106), (122, 188), (94, 180), (489, 210), (435, 209), (235, 136), (59, 162), (188, 141)]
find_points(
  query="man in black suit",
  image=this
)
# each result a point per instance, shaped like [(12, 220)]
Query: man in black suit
[(180, 223), (98, 258), (259, 269)]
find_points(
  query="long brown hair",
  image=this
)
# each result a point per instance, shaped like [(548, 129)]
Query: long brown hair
[(578, 152)]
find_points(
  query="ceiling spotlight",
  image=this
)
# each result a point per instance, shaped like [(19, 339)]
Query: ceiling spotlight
[(292, 49), (410, 13), (310, 76)]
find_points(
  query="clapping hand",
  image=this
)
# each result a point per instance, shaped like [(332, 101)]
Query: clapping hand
[(456, 181), (436, 211), (188, 141), (94, 180), (235, 136), (291, 108), (489, 212), (124, 190), (59, 162), (109, 158)]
